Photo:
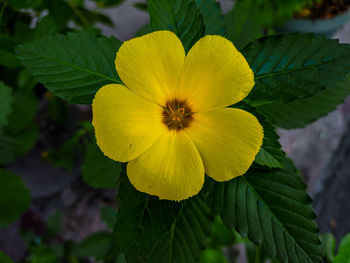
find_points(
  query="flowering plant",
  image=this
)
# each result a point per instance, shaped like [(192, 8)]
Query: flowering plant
[(185, 119)]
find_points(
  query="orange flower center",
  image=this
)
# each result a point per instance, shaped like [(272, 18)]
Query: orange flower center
[(177, 115)]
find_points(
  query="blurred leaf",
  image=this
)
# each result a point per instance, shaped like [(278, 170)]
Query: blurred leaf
[(19, 4), (43, 254), (14, 197), (96, 245), (72, 67), (25, 106), (54, 224), (109, 216), (214, 20), (141, 6), (254, 253), (98, 170), (61, 13), (5, 103), (272, 208), (220, 234), (180, 16), (108, 3), (5, 259), (243, 24), (212, 256), (294, 66), (7, 56), (46, 26), (86, 17), (343, 255), (58, 110), (160, 230), (328, 246), (15, 145)]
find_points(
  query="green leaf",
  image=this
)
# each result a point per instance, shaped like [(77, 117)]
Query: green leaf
[(18, 4), (272, 208), (5, 259), (5, 103), (242, 22), (212, 256), (15, 145), (96, 245), (25, 106), (343, 255), (270, 153), (109, 216), (220, 234), (98, 170), (14, 197), (299, 113), (160, 230), (72, 67), (294, 66), (180, 16), (43, 254), (328, 246), (214, 20), (54, 224)]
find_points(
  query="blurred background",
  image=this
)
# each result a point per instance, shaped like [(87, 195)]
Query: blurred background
[(66, 208)]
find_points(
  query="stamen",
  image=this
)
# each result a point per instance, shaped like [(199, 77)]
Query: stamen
[(177, 115)]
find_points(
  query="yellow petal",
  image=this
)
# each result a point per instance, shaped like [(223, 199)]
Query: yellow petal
[(171, 169), (125, 124), (151, 65), (215, 75), (228, 141)]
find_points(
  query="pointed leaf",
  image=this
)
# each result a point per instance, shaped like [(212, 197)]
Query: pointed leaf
[(73, 67), (180, 16), (294, 66), (343, 255), (273, 209)]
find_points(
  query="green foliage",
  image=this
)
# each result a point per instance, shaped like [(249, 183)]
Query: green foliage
[(43, 254), (109, 216), (271, 208), (5, 259), (14, 197), (343, 255), (212, 256), (72, 67), (14, 145), (242, 23), (54, 224), (294, 66), (96, 245), (98, 170), (180, 16), (301, 112), (160, 230), (5, 103), (214, 20), (328, 246)]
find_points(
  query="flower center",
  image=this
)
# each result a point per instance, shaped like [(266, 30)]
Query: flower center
[(177, 115)]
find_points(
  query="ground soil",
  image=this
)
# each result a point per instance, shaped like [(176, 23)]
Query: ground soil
[(325, 9)]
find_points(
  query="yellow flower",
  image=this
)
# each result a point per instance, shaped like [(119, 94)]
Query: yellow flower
[(170, 120)]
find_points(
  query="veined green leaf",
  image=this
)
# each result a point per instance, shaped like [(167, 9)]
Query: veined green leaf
[(14, 197), (294, 66), (343, 255), (180, 16), (73, 67), (299, 113), (159, 230), (273, 209), (5, 103), (214, 20)]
